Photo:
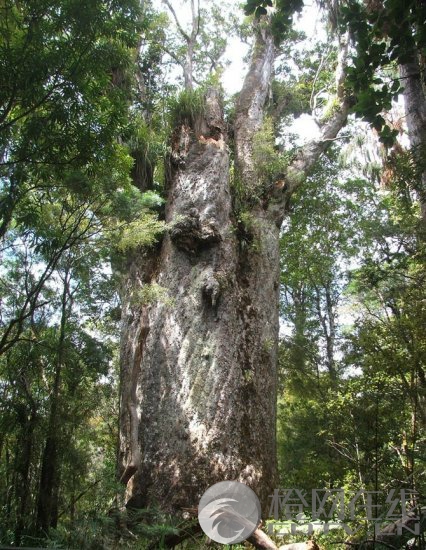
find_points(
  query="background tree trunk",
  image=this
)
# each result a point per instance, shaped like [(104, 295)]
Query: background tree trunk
[(415, 108), (47, 501), (24, 457)]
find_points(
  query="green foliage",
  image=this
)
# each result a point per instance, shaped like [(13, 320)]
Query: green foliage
[(321, 233), (238, 189), (247, 220), (355, 415), (143, 232), (269, 162), (363, 426), (138, 529), (333, 540), (291, 98), (129, 203), (147, 143), (186, 108), (206, 37), (391, 35), (257, 7), (66, 198), (150, 61), (62, 357), (151, 294), (304, 81), (151, 199), (247, 231), (89, 534), (71, 115), (282, 17), (306, 460)]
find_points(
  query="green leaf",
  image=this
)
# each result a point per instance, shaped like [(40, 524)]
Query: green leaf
[(395, 87), (250, 7)]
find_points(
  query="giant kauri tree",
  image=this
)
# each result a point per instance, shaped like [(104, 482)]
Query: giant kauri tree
[(199, 358)]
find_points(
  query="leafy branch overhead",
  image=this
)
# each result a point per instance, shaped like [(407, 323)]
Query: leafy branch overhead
[(282, 14), (384, 36)]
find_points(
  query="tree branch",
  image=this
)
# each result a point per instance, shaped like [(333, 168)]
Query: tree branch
[(309, 154), (173, 55), (252, 99), (312, 100), (195, 20), (78, 497), (175, 17)]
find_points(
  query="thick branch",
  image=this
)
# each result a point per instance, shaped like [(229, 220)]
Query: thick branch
[(309, 154), (252, 99), (260, 540), (172, 54), (305, 160), (195, 20), (175, 17)]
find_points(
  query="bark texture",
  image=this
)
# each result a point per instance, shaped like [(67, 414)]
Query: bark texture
[(198, 359), (251, 102), (198, 379)]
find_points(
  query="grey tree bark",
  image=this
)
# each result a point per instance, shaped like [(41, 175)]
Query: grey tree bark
[(198, 364)]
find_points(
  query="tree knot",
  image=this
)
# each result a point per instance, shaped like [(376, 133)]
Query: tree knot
[(190, 234)]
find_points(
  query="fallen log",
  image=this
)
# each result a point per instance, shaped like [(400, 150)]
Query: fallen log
[(259, 539)]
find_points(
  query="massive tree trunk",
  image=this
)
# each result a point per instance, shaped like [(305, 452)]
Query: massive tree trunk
[(200, 362), (199, 357)]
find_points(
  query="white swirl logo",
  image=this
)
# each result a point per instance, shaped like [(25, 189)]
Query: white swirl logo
[(229, 512)]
